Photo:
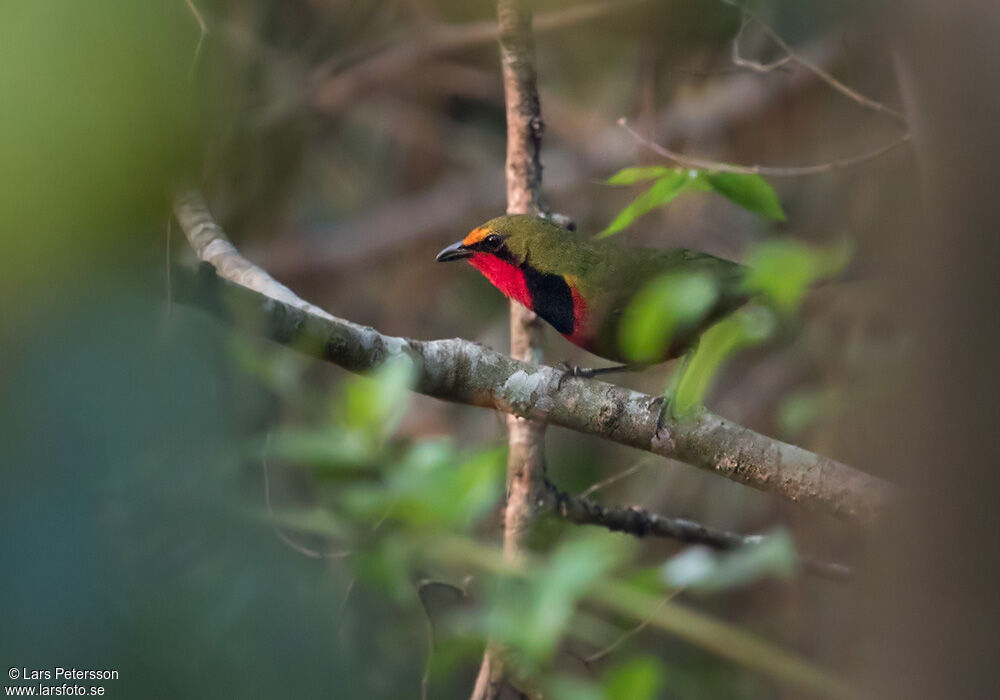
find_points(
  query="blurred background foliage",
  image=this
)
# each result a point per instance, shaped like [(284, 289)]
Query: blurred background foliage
[(217, 516)]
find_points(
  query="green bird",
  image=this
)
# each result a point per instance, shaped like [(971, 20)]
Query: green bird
[(583, 288)]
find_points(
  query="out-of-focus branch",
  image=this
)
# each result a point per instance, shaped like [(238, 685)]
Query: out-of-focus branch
[(334, 91), (464, 372), (641, 523)]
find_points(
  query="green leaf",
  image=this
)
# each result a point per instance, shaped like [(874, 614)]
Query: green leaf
[(801, 409), (630, 176), (532, 615), (387, 564), (783, 269), (314, 521), (334, 449), (638, 679), (564, 687), (377, 404), (748, 326), (752, 192), (701, 569), (663, 191), (432, 488), (663, 306)]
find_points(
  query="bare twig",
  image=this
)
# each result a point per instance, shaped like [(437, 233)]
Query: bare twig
[(795, 57), (594, 488), (203, 32), (791, 56), (628, 634), (755, 66), (793, 171), (282, 535), (421, 586)]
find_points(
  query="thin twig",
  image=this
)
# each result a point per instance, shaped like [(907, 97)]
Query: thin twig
[(593, 488), (772, 171), (628, 634), (755, 66), (792, 55), (282, 535), (420, 587), (203, 32)]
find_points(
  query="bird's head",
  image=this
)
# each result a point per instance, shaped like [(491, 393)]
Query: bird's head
[(526, 258), (516, 240)]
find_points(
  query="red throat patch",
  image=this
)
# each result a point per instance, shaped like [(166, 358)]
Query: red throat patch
[(580, 335), (504, 276)]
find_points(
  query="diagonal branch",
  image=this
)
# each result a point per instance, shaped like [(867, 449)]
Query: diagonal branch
[(465, 372)]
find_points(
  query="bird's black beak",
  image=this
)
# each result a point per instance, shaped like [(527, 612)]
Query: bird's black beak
[(456, 251)]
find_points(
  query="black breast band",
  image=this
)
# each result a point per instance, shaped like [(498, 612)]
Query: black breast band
[(551, 298)]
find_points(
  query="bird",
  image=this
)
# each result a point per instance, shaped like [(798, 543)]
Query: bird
[(583, 287)]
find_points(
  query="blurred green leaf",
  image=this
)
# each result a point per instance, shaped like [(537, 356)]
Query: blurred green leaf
[(701, 569), (572, 688), (332, 448), (277, 369), (665, 305), (646, 579), (752, 192), (431, 488), (314, 521), (630, 176), (378, 403), (387, 565), (706, 632), (637, 679), (662, 192), (801, 409), (532, 614), (783, 269), (748, 326)]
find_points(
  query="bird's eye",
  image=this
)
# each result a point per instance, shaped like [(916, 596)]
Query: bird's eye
[(493, 240)]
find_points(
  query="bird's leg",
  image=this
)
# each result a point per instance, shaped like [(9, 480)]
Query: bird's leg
[(587, 372), (666, 402)]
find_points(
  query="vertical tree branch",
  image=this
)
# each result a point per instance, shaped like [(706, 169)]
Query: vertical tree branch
[(526, 489)]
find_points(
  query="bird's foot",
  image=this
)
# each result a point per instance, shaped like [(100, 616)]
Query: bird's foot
[(664, 404), (573, 371), (585, 372)]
